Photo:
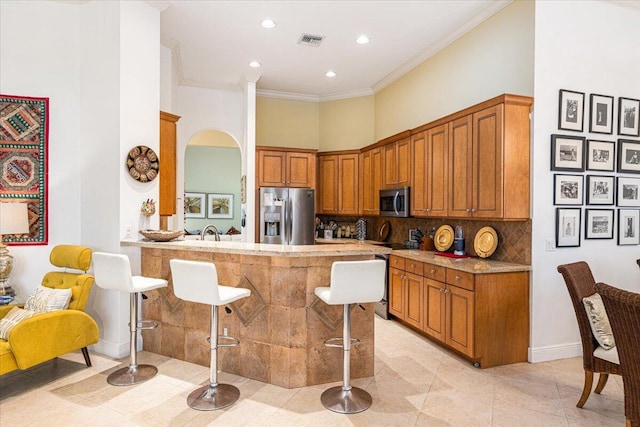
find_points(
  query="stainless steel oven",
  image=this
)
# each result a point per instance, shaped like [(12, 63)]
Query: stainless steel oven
[(394, 202)]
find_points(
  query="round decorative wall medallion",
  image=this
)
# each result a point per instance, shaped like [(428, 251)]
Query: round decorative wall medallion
[(142, 163)]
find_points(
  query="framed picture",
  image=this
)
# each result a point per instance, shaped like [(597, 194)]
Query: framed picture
[(628, 192), (567, 153), (601, 117), (601, 155), (628, 156), (568, 227), (598, 224), (568, 189), (628, 222), (194, 205), (628, 110), (571, 110), (219, 205), (600, 190)]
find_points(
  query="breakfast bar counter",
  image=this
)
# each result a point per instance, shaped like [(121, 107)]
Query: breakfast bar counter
[(282, 326)]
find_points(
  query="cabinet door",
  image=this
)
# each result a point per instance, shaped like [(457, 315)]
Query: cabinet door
[(459, 319), (460, 157), (437, 170), (414, 305), (167, 196), (328, 175), (271, 168), (434, 302), (419, 205), (389, 166), (348, 184), (300, 170), (403, 163), (396, 293), (487, 166), (370, 181)]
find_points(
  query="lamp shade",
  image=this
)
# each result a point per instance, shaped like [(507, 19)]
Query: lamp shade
[(14, 218)]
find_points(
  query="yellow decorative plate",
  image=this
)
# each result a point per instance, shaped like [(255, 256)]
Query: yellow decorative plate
[(443, 239), (485, 242)]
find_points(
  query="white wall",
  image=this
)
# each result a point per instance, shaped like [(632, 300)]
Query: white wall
[(98, 62), (590, 47)]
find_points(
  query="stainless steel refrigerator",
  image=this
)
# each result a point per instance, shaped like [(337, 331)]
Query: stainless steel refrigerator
[(287, 216)]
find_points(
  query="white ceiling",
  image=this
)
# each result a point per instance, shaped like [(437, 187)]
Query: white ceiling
[(213, 42)]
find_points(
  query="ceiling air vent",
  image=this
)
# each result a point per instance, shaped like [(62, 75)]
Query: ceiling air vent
[(310, 40)]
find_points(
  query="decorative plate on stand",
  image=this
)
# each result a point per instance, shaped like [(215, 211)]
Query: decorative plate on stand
[(443, 239), (485, 242)]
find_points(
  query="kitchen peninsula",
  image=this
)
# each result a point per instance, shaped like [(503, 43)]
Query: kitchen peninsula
[(282, 326)]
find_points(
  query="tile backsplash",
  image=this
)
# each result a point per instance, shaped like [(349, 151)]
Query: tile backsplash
[(514, 237)]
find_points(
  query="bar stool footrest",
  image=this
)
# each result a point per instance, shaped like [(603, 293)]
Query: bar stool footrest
[(331, 342), (144, 325), (234, 341)]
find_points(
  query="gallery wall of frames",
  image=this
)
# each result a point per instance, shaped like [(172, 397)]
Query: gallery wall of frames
[(596, 177)]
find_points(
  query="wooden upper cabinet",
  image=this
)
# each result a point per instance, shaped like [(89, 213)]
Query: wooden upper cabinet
[(430, 153), (397, 162), (167, 203), (489, 164), (370, 181), (338, 176), (279, 167)]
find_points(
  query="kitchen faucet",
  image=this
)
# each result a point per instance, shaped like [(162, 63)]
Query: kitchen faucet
[(216, 233)]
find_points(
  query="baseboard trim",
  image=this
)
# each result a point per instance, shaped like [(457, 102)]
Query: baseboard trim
[(555, 352), (111, 349)]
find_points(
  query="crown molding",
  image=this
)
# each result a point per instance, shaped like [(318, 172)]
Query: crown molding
[(488, 11), (629, 4), (287, 95)]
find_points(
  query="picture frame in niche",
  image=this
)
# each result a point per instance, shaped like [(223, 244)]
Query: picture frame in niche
[(568, 189), (601, 114), (571, 110), (601, 155), (598, 224), (600, 190), (628, 156), (628, 194), (628, 116), (194, 205), (568, 227), (219, 205), (567, 153), (628, 224)]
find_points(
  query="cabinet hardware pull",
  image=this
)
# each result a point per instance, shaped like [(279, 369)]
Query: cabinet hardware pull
[(446, 291), (458, 277), (433, 271)]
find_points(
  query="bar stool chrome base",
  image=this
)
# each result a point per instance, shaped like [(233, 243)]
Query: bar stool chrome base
[(342, 401), (132, 375), (209, 398)]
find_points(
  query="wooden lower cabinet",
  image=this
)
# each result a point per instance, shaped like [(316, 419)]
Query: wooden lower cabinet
[(484, 317)]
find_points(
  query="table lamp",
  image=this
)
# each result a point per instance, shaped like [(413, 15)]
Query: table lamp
[(14, 219)]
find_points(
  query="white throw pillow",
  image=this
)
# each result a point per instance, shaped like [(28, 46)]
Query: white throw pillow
[(13, 317), (45, 299), (599, 321)]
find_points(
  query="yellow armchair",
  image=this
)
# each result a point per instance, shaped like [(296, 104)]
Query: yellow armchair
[(49, 335)]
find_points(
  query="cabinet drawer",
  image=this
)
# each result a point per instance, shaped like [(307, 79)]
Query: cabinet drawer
[(434, 272), (396, 262), (414, 267), (460, 279)]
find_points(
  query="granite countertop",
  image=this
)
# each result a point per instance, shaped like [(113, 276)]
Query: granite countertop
[(469, 265), (353, 247)]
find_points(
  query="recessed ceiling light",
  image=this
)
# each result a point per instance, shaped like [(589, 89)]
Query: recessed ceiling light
[(268, 23), (330, 74), (254, 64), (362, 39)]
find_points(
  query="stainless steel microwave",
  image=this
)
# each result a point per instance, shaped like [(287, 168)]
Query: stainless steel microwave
[(394, 202)]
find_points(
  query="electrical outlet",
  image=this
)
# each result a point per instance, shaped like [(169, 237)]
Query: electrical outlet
[(128, 229), (225, 330), (550, 245)]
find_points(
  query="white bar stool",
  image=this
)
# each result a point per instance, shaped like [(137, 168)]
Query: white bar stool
[(198, 282), (113, 271), (352, 282)]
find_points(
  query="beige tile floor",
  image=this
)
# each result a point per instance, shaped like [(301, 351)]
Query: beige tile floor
[(416, 383)]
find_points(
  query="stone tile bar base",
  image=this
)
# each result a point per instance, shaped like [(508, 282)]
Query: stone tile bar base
[(281, 327)]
